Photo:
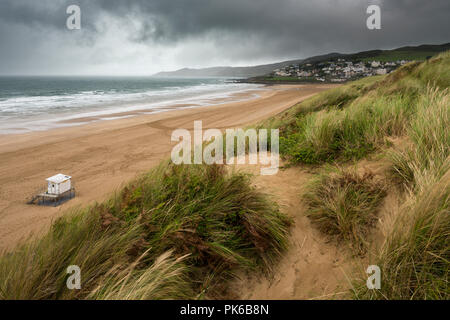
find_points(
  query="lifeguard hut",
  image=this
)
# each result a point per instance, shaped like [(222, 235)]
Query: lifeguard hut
[(59, 188), (59, 184)]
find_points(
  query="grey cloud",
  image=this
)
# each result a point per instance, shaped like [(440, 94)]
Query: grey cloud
[(229, 31)]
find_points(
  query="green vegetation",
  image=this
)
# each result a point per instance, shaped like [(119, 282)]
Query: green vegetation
[(416, 255), (343, 203), (330, 68), (419, 53), (422, 163), (281, 79), (336, 98), (387, 56), (351, 122), (341, 133), (176, 232)]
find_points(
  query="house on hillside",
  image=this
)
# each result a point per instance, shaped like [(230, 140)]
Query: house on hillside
[(381, 71), (375, 64)]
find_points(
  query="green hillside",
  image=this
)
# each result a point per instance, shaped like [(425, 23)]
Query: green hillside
[(418, 53), (349, 67)]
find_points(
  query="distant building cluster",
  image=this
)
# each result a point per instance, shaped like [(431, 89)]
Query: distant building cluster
[(338, 71)]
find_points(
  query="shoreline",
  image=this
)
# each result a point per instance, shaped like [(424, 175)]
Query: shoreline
[(103, 155), (122, 109)]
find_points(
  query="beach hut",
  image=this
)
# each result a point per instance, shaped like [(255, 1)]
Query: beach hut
[(59, 184), (59, 189)]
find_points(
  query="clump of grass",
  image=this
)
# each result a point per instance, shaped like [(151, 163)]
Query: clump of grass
[(343, 203), (219, 219), (213, 222), (415, 258)]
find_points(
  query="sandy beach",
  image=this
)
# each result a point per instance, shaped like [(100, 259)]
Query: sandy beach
[(100, 156)]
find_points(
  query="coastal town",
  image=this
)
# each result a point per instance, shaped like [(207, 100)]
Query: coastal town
[(340, 70)]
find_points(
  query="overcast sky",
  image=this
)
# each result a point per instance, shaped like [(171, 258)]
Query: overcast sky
[(141, 37)]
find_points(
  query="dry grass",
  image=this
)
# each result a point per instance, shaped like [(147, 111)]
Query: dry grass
[(166, 278), (422, 163)]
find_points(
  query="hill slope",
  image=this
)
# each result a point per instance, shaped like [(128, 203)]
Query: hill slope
[(238, 71), (406, 53)]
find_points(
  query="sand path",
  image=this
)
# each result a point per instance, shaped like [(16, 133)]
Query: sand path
[(313, 267)]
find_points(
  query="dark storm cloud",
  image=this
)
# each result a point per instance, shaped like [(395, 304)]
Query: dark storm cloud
[(226, 31)]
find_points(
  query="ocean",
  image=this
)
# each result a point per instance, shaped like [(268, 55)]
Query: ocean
[(41, 103)]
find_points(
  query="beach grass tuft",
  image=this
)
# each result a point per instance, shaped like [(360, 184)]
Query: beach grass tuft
[(343, 203)]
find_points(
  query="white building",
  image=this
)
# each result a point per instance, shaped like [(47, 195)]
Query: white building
[(304, 74), (375, 64), (381, 71), (59, 184)]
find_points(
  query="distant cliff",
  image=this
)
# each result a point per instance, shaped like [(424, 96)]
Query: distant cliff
[(227, 71), (245, 72)]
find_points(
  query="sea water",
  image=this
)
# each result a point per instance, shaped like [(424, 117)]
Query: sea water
[(41, 103)]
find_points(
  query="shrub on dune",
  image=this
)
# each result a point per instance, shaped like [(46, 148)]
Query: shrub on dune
[(344, 203), (219, 219)]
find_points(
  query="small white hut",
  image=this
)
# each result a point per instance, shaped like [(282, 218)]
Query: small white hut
[(59, 184)]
